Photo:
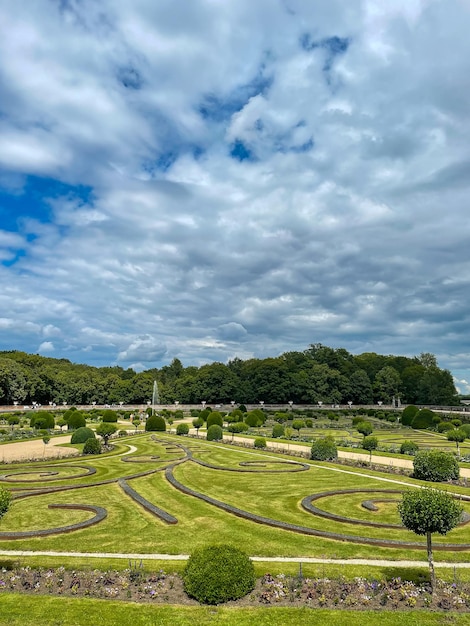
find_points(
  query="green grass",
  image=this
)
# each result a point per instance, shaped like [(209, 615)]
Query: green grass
[(128, 528), (21, 610)]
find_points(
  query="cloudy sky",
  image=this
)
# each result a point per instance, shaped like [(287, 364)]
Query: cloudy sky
[(204, 179)]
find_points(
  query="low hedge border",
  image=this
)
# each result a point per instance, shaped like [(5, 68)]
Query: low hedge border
[(148, 506), (100, 514), (10, 478)]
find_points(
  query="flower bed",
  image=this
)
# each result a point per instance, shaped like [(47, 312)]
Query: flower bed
[(139, 586)]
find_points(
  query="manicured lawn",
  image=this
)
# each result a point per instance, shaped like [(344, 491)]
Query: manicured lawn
[(18, 610)]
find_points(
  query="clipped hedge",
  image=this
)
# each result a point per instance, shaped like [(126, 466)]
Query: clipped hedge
[(182, 429), (82, 434), (5, 499), (215, 418), (408, 414), (155, 423), (214, 433), (409, 447), (218, 573), (260, 442), (92, 446)]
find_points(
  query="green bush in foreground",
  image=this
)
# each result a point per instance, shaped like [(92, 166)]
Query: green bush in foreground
[(260, 442), (214, 433), (82, 434), (435, 466), (278, 431), (218, 573), (324, 449), (92, 446)]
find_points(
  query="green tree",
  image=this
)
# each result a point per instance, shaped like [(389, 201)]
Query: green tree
[(105, 430), (387, 383), (361, 388), (370, 443), (365, 428), (197, 424), (298, 425), (427, 511), (458, 435)]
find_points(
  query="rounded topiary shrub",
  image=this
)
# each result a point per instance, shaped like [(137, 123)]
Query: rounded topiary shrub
[(182, 429), (155, 423), (435, 465), (218, 573), (260, 442), (82, 434), (443, 427), (324, 449), (109, 416), (409, 447), (423, 419), (408, 414), (214, 433), (75, 421), (5, 499), (215, 418), (92, 446), (278, 431)]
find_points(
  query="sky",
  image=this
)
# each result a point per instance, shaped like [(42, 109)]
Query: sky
[(207, 180)]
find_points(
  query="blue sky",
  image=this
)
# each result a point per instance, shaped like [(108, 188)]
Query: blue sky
[(207, 180)]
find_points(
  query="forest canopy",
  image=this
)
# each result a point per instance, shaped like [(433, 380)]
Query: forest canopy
[(318, 374)]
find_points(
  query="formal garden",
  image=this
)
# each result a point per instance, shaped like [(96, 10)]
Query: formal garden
[(108, 523)]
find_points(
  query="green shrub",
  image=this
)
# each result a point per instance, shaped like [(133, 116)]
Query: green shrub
[(457, 423), (238, 427), (423, 419), (408, 414), (179, 415), (466, 429), (260, 442), (214, 433), (324, 449), (122, 433), (309, 423), (155, 423), (109, 416), (435, 466), (357, 420), (218, 573), (182, 429), (278, 431), (75, 420), (92, 446), (215, 418), (42, 419), (242, 408), (443, 427), (5, 499), (409, 447), (82, 434)]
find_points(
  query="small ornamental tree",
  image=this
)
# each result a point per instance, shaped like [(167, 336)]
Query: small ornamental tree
[(5, 500), (197, 423), (370, 443), (408, 414), (82, 434), (218, 573), (324, 449), (365, 428), (458, 435), (155, 423), (409, 447), (105, 430), (182, 429), (435, 466), (298, 425), (215, 418), (214, 433), (92, 446), (426, 511)]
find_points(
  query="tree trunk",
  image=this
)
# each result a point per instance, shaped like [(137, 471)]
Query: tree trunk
[(430, 559)]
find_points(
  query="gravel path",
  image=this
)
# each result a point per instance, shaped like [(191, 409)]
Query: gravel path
[(35, 449), (260, 559)]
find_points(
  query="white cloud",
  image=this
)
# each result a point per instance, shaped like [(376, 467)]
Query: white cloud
[(347, 226)]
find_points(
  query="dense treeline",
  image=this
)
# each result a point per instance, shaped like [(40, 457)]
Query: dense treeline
[(318, 374)]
